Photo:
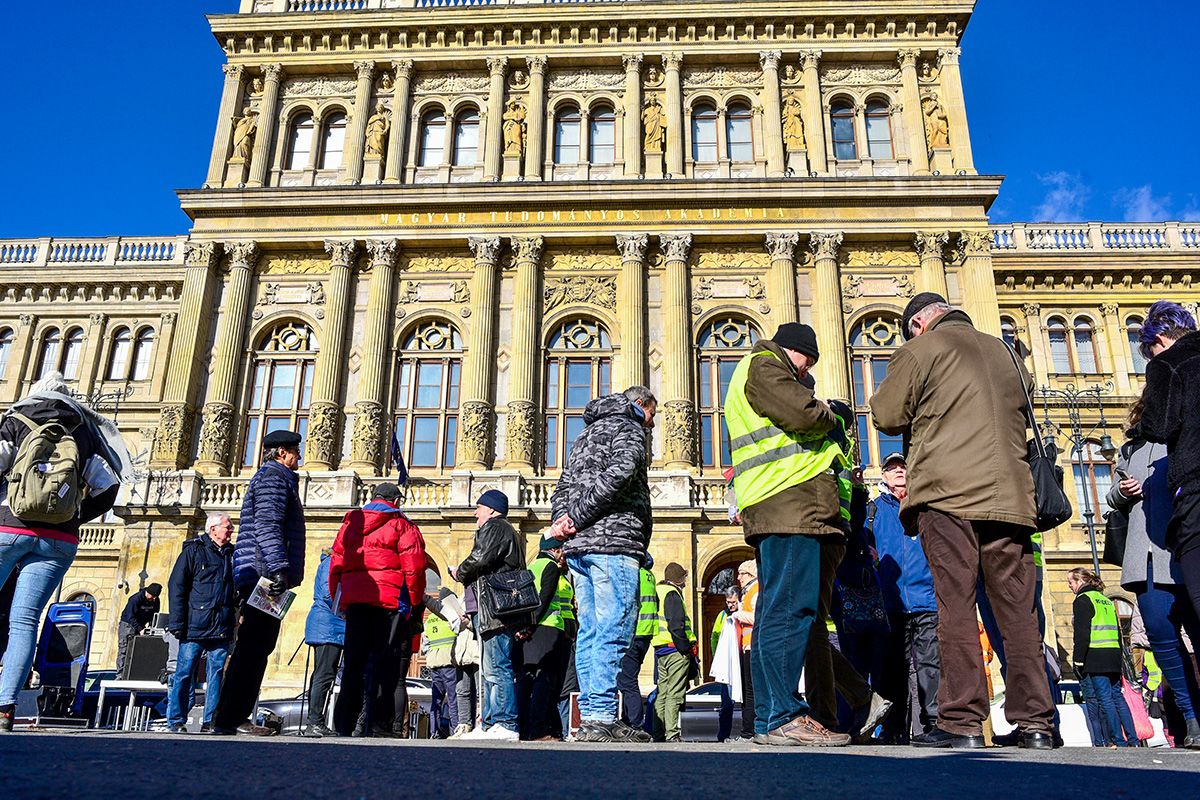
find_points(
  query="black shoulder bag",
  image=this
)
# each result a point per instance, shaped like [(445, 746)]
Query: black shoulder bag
[(512, 593), (1053, 506)]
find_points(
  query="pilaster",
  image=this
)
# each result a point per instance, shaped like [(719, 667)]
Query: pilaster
[(672, 62), (772, 113), (492, 142), (931, 249), (352, 159), (268, 113), (535, 141), (979, 282), (521, 422), (325, 411), (231, 96), (955, 105), (394, 168), (1120, 359), (914, 120), (19, 358), (370, 421), (679, 407), (831, 371), (814, 118), (631, 310), (476, 416), (781, 280), (633, 114)]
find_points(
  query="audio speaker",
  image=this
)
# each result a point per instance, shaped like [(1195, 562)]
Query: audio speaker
[(146, 660)]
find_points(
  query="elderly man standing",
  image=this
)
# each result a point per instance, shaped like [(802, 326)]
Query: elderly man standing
[(601, 509), (958, 397), (202, 616), (787, 490), (270, 544)]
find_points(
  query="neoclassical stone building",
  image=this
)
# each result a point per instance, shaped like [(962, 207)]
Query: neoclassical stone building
[(462, 222)]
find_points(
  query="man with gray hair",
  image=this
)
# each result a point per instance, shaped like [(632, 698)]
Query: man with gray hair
[(601, 510), (201, 615), (958, 397)]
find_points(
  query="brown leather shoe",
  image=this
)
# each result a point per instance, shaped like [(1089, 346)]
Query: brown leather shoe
[(250, 729), (806, 732)]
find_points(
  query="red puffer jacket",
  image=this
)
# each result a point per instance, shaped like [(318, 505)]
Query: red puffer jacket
[(378, 551)]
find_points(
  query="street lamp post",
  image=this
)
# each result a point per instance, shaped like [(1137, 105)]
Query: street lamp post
[(1074, 400)]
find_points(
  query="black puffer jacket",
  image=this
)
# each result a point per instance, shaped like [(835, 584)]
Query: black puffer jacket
[(201, 592), (496, 550), (1172, 414), (604, 488)]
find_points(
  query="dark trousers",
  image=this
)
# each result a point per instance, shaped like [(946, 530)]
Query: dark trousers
[(633, 709), (444, 703), (1189, 564), (789, 575), (1108, 716), (829, 672), (912, 650), (747, 695), (541, 686), (960, 551), (327, 658), (1166, 611), (377, 652), (256, 639)]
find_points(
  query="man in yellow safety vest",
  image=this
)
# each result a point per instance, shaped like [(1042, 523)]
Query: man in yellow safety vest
[(674, 646)]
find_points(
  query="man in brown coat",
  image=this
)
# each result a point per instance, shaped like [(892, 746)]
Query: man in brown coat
[(957, 397)]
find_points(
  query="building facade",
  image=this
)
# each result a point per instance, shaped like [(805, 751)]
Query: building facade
[(461, 223)]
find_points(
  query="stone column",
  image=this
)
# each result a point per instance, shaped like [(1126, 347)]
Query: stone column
[(956, 109), (476, 414), (19, 357), (90, 363), (914, 119), (832, 372), (217, 433), (679, 409), (521, 423), (268, 116), (535, 139), (325, 411), (1041, 367), (172, 447), (979, 282), (633, 114), (370, 421), (931, 248), (231, 94), (781, 280), (674, 111), (352, 159), (493, 139), (814, 113), (631, 311), (394, 169), (1118, 348), (772, 114)]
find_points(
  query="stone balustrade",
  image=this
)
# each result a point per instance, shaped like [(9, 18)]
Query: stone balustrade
[(1096, 237), (99, 536), (323, 6), (108, 251)]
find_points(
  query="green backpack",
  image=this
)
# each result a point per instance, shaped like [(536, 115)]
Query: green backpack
[(45, 482)]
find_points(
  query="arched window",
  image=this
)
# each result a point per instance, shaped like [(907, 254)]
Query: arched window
[(1008, 331), (872, 342), (739, 140), (722, 344), (1060, 350), (1092, 481), (334, 141), (602, 136), (300, 142), (142, 351), (466, 138), (578, 369), (845, 145), (433, 139), (118, 357), (50, 352), (1133, 333), (1085, 346), (72, 354), (879, 129), (6, 343), (427, 379), (284, 361), (566, 136), (704, 134)]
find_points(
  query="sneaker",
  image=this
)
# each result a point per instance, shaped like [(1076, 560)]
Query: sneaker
[(317, 731), (250, 729), (180, 728), (476, 733), (867, 718), (629, 733), (738, 740), (499, 733), (806, 732), (206, 727), (1192, 740), (615, 731), (6, 718), (462, 730), (594, 732), (761, 738)]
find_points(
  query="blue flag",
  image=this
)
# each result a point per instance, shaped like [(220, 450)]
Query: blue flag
[(398, 460)]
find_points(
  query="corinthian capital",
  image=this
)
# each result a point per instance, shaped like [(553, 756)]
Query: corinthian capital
[(497, 64), (485, 248), (977, 243), (243, 255), (810, 59), (632, 61), (199, 254), (383, 252), (272, 72), (233, 71), (930, 245), (536, 64), (403, 68), (949, 55), (528, 248), (826, 245), (633, 246), (672, 60), (676, 246), (769, 59), (782, 246), (364, 69), (908, 58), (341, 251)]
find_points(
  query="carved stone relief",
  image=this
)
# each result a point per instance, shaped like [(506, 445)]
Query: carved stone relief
[(585, 79), (448, 262), (318, 87), (583, 260), (435, 292), (731, 258), (878, 255), (722, 77), (451, 83), (597, 291), (859, 75), (751, 288), (475, 423), (293, 264)]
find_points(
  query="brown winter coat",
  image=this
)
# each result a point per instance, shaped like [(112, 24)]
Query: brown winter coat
[(956, 396), (773, 389)]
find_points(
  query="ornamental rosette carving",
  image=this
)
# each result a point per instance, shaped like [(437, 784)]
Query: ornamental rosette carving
[(475, 426), (199, 254), (680, 431), (633, 246), (368, 433), (676, 246), (826, 245), (214, 435), (581, 290), (528, 248), (782, 246), (173, 436), (519, 431), (383, 252), (243, 255), (485, 248), (341, 252), (931, 245), (324, 422)]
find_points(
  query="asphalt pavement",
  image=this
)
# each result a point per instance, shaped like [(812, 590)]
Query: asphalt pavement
[(133, 766)]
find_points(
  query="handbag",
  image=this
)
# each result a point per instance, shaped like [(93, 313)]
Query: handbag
[(1116, 532), (512, 593), (1053, 506), (862, 606), (1137, 709)]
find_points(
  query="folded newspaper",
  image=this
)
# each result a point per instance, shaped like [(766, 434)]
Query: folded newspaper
[(262, 599)]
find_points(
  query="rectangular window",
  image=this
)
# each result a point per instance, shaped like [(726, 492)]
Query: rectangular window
[(260, 378), (706, 384), (552, 385), (424, 442), (579, 384), (306, 387), (1085, 351), (402, 388), (860, 389), (1058, 352), (141, 363), (455, 377), (1135, 352), (603, 140), (551, 442), (573, 426), (605, 377), (283, 387), (706, 440), (401, 430), (704, 139), (302, 429), (433, 143), (844, 148), (726, 453), (451, 444), (879, 368), (890, 444), (879, 137), (251, 449), (429, 385), (864, 439), (566, 141), (726, 369)]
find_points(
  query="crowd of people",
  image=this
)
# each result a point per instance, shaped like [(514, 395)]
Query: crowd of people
[(858, 620)]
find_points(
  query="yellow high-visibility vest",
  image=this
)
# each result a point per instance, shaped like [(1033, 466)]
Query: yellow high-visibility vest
[(663, 637), (438, 632), (566, 598), (1105, 632), (647, 621)]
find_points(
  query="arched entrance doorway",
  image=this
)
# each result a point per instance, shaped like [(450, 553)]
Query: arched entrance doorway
[(719, 575)]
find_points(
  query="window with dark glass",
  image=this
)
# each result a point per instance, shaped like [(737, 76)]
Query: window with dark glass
[(722, 344), (466, 138), (566, 136), (333, 143), (428, 374), (879, 130), (1092, 482), (704, 134), (281, 380), (300, 142), (845, 145), (1133, 333), (602, 136), (433, 139), (872, 342), (739, 140), (578, 370)]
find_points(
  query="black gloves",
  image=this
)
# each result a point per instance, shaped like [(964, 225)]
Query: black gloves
[(279, 583)]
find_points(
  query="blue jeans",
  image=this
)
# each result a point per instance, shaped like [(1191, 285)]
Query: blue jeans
[(43, 563), (789, 577), (499, 689), (606, 590), (1107, 710), (183, 686), (1166, 609)]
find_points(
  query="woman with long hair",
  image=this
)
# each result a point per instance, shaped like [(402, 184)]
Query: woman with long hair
[(1097, 659)]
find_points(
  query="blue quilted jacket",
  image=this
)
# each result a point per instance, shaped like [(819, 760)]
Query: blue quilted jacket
[(271, 530)]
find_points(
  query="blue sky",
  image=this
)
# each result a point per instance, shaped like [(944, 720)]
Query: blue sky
[(112, 107)]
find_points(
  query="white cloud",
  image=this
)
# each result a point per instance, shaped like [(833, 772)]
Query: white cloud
[(1140, 204), (1065, 199)]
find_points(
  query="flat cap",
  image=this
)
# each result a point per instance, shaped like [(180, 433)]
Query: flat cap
[(288, 439)]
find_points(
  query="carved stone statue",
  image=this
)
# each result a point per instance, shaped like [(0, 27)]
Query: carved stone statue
[(244, 131), (377, 132), (793, 123), (654, 75), (514, 128), (386, 83), (937, 126), (654, 124)]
